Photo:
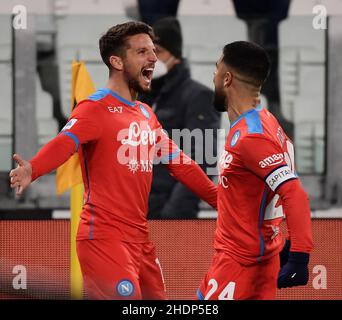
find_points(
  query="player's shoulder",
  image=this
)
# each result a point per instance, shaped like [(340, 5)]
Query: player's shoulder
[(145, 105), (146, 110), (99, 95), (94, 100), (252, 127)]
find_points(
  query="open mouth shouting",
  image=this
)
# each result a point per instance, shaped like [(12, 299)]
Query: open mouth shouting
[(147, 74)]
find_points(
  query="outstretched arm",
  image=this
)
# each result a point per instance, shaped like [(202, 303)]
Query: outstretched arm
[(50, 157), (83, 126)]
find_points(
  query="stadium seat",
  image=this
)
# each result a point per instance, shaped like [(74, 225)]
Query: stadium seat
[(5, 92), (100, 7), (302, 87), (206, 7), (47, 124), (79, 40), (204, 35), (300, 7)]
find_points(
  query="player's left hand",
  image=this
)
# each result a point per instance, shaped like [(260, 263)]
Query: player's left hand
[(295, 272), (20, 176)]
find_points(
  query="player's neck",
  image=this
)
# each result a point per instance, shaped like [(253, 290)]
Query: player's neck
[(240, 106), (120, 87)]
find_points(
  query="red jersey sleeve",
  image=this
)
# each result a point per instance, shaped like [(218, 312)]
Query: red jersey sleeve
[(267, 160), (84, 125), (271, 163)]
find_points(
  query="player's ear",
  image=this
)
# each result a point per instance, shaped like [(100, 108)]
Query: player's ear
[(228, 77), (116, 62)]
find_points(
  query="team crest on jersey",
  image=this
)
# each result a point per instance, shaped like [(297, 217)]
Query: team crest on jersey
[(235, 138), (144, 111), (125, 288)]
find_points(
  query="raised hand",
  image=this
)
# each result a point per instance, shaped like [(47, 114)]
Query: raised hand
[(21, 176)]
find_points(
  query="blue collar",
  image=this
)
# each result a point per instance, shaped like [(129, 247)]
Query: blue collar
[(117, 96), (257, 108)]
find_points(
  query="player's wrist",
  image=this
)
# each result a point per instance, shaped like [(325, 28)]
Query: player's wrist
[(32, 170), (299, 257)]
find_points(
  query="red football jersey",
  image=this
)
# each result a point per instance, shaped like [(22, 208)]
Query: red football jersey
[(118, 141), (257, 160)]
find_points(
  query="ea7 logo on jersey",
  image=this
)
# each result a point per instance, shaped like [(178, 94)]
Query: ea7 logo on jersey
[(117, 109), (272, 160)]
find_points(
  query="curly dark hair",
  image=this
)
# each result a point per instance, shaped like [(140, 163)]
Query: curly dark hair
[(113, 42)]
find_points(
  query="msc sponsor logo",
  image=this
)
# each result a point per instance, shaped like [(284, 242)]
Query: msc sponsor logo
[(223, 181), (272, 160), (279, 176), (125, 288), (135, 165), (138, 136)]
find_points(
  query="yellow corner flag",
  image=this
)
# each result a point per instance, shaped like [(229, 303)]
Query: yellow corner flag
[(69, 176)]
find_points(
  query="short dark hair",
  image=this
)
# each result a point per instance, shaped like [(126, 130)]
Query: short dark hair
[(249, 60), (113, 42)]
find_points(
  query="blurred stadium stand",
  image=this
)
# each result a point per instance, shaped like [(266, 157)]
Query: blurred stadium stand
[(79, 40), (5, 92), (70, 29), (302, 87), (203, 46), (310, 96)]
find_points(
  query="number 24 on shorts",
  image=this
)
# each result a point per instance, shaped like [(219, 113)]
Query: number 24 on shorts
[(226, 294)]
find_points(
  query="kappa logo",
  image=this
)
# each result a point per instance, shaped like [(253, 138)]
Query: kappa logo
[(272, 160), (115, 109), (125, 288)]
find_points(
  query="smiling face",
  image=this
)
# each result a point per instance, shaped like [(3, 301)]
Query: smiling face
[(139, 61)]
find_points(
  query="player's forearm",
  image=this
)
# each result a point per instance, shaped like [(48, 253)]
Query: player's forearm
[(181, 202), (298, 218), (192, 176), (52, 155)]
